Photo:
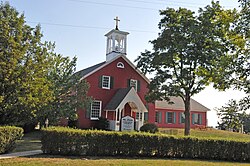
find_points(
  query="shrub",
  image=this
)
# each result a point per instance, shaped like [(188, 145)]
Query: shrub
[(149, 127), (102, 124), (8, 137), (66, 141)]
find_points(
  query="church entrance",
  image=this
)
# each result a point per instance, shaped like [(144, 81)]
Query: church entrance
[(125, 103)]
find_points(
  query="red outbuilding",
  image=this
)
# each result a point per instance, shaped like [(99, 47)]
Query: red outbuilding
[(118, 89)]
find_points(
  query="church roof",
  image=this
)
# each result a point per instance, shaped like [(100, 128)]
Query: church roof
[(117, 98), (86, 71), (90, 70), (179, 105)]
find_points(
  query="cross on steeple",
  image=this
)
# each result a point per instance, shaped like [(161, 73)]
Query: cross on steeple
[(116, 23)]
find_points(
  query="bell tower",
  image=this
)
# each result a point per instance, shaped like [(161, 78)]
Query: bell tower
[(116, 42)]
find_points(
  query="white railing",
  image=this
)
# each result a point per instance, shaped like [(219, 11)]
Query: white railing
[(112, 124)]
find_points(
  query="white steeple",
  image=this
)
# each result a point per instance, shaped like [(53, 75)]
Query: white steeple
[(116, 42)]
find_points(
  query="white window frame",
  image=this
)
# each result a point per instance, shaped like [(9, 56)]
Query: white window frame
[(120, 65), (135, 82), (108, 83), (94, 109), (182, 113), (138, 116), (197, 117), (170, 117)]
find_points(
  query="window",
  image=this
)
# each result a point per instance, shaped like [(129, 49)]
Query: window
[(182, 117), (106, 82), (120, 65), (196, 119), (139, 115), (170, 117), (95, 110), (133, 83), (158, 117), (146, 116)]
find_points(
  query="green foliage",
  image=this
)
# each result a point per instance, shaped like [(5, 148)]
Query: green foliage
[(69, 92), (24, 88), (231, 116), (238, 75), (102, 124), (191, 51), (8, 137), (65, 141), (246, 124), (149, 127), (35, 82)]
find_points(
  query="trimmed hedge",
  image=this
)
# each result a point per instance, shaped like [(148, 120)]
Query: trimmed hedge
[(8, 137), (149, 127), (64, 141)]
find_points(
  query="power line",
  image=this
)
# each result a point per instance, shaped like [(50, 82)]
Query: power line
[(172, 3), (111, 4), (87, 27)]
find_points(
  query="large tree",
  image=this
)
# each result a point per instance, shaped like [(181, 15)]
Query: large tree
[(35, 82), (23, 68), (187, 52), (69, 91), (239, 75)]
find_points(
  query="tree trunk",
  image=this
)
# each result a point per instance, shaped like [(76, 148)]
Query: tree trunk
[(187, 115)]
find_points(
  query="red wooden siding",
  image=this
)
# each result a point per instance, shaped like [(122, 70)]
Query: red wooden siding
[(178, 124), (120, 77)]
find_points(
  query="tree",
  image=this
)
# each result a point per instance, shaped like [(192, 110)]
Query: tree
[(231, 115), (239, 75), (23, 63), (189, 50), (246, 123), (241, 79), (69, 91), (35, 82)]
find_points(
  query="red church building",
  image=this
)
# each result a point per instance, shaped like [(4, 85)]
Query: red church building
[(118, 89)]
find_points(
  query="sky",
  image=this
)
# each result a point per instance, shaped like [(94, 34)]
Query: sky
[(78, 27)]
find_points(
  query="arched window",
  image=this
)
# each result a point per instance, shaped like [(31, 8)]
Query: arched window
[(120, 65)]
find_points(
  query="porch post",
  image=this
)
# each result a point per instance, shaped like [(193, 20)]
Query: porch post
[(139, 120), (116, 115), (142, 119), (120, 115), (106, 114)]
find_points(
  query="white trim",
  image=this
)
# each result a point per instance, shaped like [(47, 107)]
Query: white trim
[(100, 110), (173, 117), (136, 84), (132, 96), (109, 80), (120, 65), (127, 60)]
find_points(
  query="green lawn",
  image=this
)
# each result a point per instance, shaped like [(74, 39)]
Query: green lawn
[(30, 141), (208, 133), (41, 160)]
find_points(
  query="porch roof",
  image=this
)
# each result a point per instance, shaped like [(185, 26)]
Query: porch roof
[(123, 96)]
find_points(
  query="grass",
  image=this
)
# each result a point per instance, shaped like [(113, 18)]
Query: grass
[(30, 141), (41, 160), (208, 133)]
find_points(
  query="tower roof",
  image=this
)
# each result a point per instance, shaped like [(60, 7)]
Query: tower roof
[(116, 31)]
